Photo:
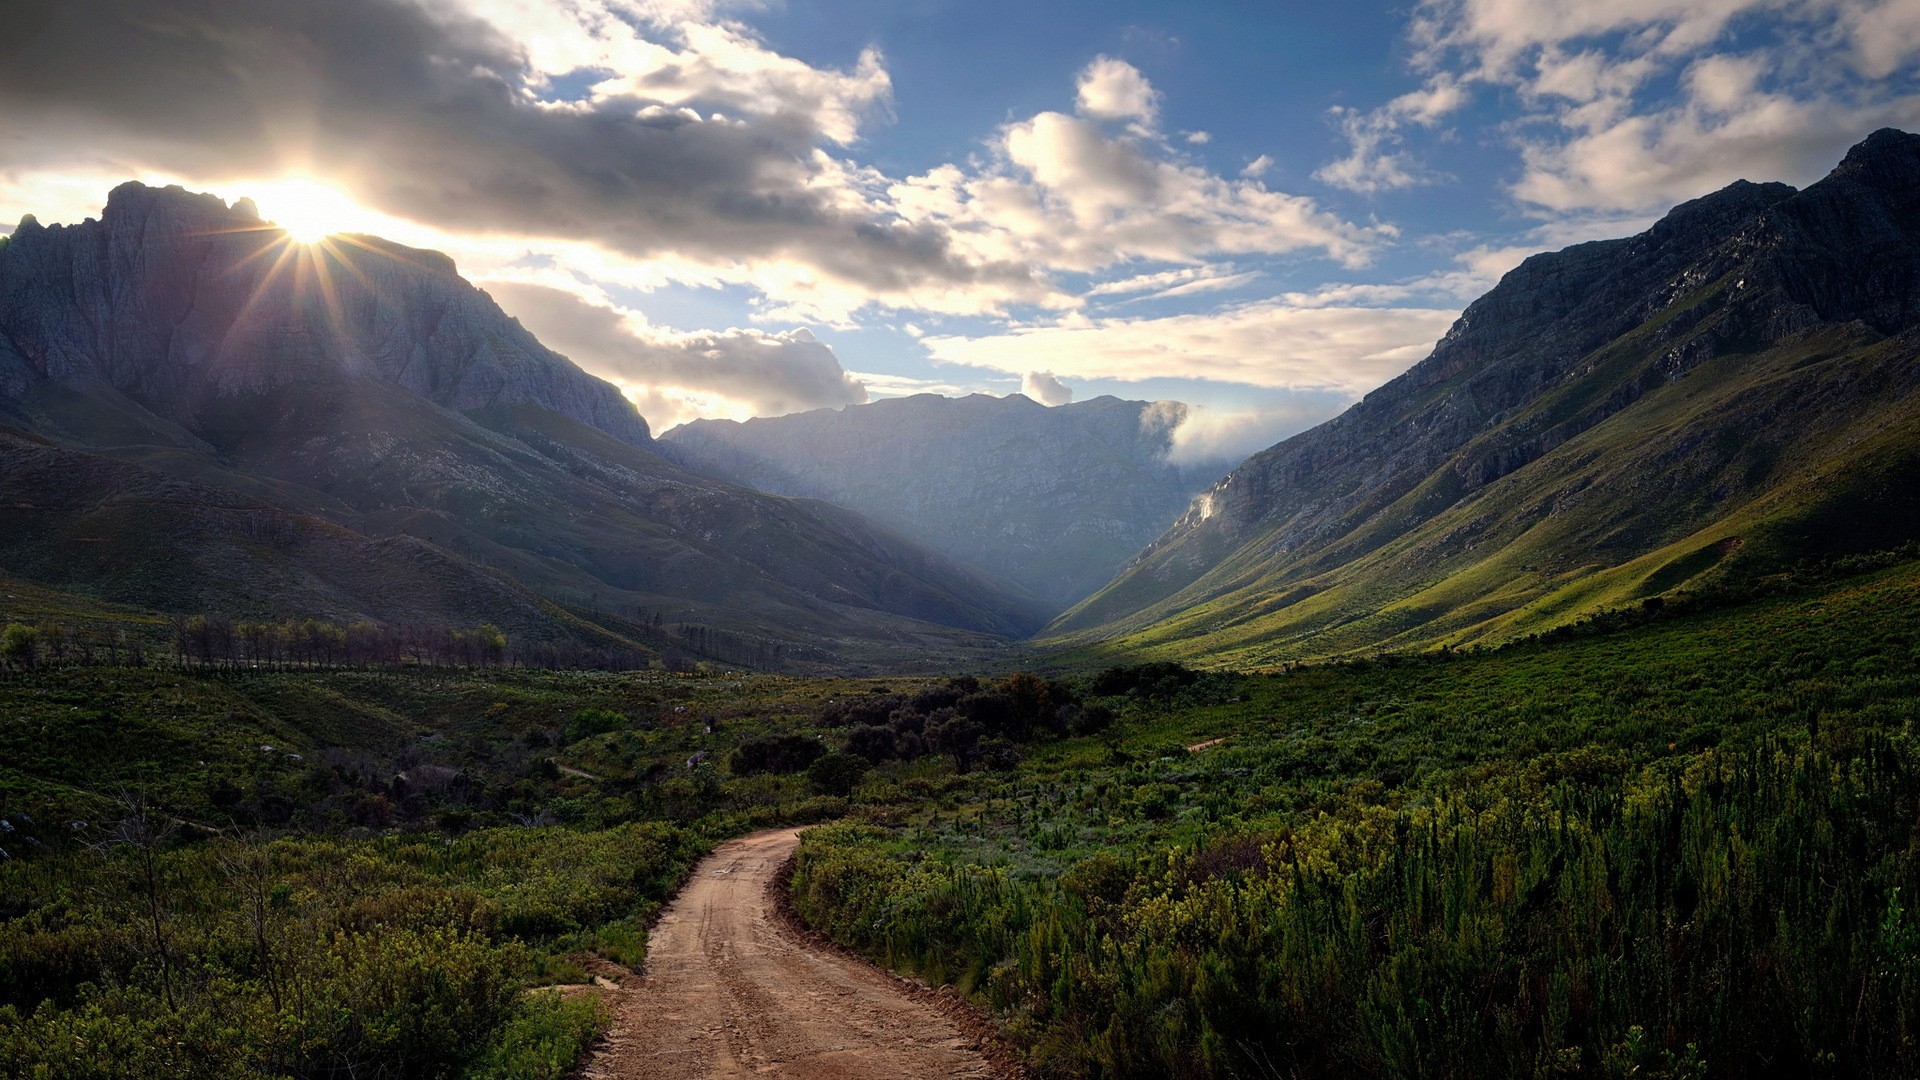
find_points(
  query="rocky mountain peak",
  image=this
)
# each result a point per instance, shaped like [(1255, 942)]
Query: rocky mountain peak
[(1562, 343), (1888, 159), (182, 305)]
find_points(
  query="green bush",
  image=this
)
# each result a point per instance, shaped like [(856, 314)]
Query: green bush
[(775, 754), (837, 774), (543, 1040), (590, 722)]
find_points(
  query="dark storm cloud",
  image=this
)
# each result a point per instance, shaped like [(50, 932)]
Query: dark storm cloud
[(430, 115), (774, 373)]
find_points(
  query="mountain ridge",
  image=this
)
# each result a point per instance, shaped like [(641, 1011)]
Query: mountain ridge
[(1396, 489), (1054, 499), (399, 314), (363, 386)]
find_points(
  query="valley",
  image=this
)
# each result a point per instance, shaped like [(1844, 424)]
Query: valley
[(380, 696), (1377, 832)]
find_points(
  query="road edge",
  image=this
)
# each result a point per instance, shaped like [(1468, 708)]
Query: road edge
[(973, 1021)]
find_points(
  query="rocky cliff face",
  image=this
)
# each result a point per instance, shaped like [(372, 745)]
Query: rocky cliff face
[(175, 301), (425, 454), (1053, 499), (1565, 344)]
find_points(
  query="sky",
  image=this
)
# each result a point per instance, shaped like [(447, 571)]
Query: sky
[(752, 208)]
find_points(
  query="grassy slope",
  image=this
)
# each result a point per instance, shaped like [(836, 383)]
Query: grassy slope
[(1646, 502)]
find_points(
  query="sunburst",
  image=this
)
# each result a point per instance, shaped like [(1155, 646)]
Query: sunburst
[(308, 210), (307, 234)]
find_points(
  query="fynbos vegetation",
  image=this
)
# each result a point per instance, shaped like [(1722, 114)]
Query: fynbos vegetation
[(1686, 850)]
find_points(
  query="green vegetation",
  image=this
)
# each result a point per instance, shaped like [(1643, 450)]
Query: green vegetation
[(1674, 841), (1545, 516), (1686, 849), (312, 957), (544, 1040), (227, 872)]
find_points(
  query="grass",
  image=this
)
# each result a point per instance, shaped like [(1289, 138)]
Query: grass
[(1619, 506)]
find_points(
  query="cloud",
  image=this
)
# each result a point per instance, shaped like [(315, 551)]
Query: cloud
[(705, 147), (887, 384), (664, 136), (1110, 89), (674, 375), (1215, 283), (1302, 343), (1720, 132), (1374, 161), (1063, 193), (1197, 138), (1042, 387), (1182, 281), (1258, 166), (1201, 436), (1633, 105)]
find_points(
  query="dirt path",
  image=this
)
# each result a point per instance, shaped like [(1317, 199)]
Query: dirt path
[(729, 991)]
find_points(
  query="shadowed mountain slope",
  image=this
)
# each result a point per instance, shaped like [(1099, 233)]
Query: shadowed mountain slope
[(1055, 500), (1729, 392), (365, 387)]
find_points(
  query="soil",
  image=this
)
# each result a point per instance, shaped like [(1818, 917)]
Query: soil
[(734, 987)]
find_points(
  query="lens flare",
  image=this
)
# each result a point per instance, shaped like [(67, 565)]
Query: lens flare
[(308, 210)]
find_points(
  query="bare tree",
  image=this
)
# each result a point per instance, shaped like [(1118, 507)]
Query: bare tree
[(143, 834), (249, 870)]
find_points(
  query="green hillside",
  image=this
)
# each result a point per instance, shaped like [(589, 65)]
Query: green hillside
[(1691, 489), (1698, 408)]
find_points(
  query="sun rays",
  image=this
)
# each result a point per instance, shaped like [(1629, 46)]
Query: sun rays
[(308, 210), (311, 242)]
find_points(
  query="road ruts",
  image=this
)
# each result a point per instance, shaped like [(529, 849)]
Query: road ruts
[(729, 992)]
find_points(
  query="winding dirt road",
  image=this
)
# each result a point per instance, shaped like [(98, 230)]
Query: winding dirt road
[(730, 991)]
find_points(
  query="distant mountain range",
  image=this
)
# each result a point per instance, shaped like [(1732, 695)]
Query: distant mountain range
[(201, 415), (1711, 401), (1055, 500), (198, 415)]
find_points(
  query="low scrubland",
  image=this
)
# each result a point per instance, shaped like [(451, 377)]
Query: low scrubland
[(1686, 847), (1670, 842)]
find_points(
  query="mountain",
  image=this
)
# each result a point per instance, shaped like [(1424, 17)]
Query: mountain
[(1709, 402), (184, 365), (1055, 500)]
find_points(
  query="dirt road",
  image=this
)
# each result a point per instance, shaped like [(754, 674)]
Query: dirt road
[(728, 991)]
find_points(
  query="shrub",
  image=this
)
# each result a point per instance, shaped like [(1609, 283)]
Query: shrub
[(837, 774), (775, 754), (543, 1040), (590, 722)]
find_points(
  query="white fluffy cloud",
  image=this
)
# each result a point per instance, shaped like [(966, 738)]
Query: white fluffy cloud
[(1045, 388), (1374, 161), (1629, 106), (1199, 435), (1063, 193), (1112, 89), (674, 376)]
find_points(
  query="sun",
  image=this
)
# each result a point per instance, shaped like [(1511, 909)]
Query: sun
[(307, 209)]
